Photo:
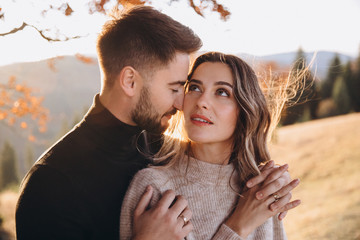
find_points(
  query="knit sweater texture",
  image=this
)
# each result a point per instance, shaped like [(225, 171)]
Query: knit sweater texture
[(211, 193)]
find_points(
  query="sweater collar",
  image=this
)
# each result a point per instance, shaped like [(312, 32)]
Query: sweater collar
[(207, 173), (108, 128)]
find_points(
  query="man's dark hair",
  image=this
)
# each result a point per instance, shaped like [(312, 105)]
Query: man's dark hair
[(142, 38)]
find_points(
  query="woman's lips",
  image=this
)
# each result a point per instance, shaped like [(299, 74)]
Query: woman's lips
[(200, 120)]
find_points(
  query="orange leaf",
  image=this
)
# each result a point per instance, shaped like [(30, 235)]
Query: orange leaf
[(42, 129), (11, 121), (31, 138), (84, 59), (23, 125), (68, 10), (3, 115)]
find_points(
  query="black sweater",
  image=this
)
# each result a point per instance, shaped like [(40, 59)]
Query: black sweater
[(75, 189)]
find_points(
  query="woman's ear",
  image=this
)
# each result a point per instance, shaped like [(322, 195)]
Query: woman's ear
[(129, 80)]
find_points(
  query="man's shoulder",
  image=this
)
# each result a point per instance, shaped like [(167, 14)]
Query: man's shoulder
[(73, 144)]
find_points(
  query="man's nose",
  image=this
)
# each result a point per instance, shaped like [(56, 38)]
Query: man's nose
[(179, 101)]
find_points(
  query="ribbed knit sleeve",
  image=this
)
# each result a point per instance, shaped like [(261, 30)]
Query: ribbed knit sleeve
[(226, 233)]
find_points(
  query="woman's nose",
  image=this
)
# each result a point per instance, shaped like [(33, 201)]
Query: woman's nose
[(203, 101)]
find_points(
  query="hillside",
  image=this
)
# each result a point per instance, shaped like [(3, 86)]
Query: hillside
[(325, 155), (68, 87)]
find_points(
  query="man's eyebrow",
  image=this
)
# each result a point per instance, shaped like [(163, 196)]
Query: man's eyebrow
[(182, 83), (195, 81)]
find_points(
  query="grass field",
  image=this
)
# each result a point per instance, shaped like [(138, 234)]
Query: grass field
[(325, 155)]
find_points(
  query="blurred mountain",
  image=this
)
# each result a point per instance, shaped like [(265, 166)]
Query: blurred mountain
[(320, 61), (68, 86)]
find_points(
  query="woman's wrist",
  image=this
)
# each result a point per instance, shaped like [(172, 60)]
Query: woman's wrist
[(237, 227)]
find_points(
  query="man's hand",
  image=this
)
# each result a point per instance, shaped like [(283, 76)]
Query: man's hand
[(168, 219), (276, 181)]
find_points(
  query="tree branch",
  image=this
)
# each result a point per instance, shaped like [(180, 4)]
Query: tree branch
[(41, 32), (14, 30)]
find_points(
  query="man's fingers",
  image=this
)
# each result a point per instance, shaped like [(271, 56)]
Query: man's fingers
[(260, 178), (186, 213), (166, 200), (179, 205), (187, 229), (144, 201)]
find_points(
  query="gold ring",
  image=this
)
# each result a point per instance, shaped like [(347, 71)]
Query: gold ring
[(184, 219), (276, 196)]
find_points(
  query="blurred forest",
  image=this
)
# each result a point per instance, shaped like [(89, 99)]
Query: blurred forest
[(41, 101)]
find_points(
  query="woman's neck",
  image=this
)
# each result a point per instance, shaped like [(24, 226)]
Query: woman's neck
[(211, 152)]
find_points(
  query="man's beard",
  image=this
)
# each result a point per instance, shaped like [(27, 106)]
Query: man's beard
[(146, 116)]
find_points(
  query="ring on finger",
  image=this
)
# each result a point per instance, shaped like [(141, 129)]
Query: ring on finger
[(184, 219), (276, 197)]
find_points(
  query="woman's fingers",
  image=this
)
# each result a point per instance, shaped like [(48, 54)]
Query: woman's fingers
[(267, 169), (276, 174), (282, 215), (268, 165), (280, 201), (274, 182), (290, 205)]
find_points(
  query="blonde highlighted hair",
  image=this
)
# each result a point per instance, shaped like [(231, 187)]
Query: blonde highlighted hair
[(258, 116)]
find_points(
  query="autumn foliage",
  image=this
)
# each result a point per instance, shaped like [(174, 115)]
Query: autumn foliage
[(18, 105)]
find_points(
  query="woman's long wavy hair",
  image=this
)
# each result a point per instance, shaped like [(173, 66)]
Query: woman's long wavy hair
[(255, 121)]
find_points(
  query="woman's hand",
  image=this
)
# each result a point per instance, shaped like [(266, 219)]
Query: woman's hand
[(275, 180), (251, 211)]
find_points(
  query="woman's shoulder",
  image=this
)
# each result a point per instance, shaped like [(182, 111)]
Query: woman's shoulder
[(154, 171), (153, 175)]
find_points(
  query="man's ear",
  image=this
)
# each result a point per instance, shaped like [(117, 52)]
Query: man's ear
[(129, 80)]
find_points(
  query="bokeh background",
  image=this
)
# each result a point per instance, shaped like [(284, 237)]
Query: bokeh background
[(49, 76)]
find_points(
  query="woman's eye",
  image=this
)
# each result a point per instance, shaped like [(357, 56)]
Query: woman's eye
[(175, 90), (194, 88), (223, 93)]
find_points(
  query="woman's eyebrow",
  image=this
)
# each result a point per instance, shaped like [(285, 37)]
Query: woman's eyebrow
[(224, 83)]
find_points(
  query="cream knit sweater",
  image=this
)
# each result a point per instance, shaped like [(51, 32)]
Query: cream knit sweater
[(210, 198)]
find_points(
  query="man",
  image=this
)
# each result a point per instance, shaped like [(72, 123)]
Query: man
[(75, 189)]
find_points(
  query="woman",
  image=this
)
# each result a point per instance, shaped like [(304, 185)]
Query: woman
[(211, 151)]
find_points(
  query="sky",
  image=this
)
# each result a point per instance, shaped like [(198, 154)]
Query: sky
[(257, 27)]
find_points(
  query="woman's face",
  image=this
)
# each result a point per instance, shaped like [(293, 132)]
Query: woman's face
[(210, 109)]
